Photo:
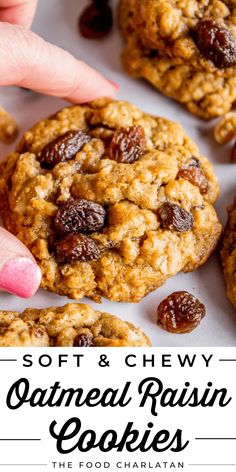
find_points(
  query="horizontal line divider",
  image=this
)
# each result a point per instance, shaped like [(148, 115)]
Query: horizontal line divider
[(227, 360), (8, 360), (215, 439), (19, 439), (207, 465)]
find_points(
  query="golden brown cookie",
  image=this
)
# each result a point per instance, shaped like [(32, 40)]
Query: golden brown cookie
[(74, 324), (110, 200), (228, 254), (187, 50)]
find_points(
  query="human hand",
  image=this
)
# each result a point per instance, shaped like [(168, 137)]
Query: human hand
[(28, 61)]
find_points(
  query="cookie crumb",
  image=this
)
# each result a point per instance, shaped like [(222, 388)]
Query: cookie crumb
[(225, 130), (8, 127)]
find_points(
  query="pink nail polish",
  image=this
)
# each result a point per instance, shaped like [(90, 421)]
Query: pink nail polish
[(20, 276), (114, 84)]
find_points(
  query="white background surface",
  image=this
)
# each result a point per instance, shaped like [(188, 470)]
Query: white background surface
[(56, 21)]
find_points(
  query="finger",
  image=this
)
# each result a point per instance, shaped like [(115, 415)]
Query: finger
[(19, 273), (29, 61), (18, 12)]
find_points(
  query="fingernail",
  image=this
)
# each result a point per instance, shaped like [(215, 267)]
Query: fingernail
[(114, 84), (20, 276)]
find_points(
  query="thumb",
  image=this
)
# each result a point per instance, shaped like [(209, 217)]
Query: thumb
[(29, 61), (19, 273), (20, 12)]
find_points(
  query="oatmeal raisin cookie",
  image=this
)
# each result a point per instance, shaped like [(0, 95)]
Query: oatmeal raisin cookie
[(186, 49), (74, 324), (110, 200), (228, 254)]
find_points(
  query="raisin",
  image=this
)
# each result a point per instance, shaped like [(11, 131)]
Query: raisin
[(83, 340), (196, 177), (175, 217), (76, 247), (127, 144), (63, 148), (100, 3), (152, 54), (96, 21), (233, 155), (216, 43), (79, 215), (180, 312)]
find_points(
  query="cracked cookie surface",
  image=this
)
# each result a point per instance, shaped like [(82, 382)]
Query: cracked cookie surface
[(73, 325), (131, 207), (228, 255), (186, 49)]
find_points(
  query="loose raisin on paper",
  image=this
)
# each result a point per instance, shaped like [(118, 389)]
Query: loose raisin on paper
[(180, 313), (83, 340), (96, 21), (196, 177), (79, 215), (175, 217), (76, 247), (216, 43), (127, 144), (63, 148)]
